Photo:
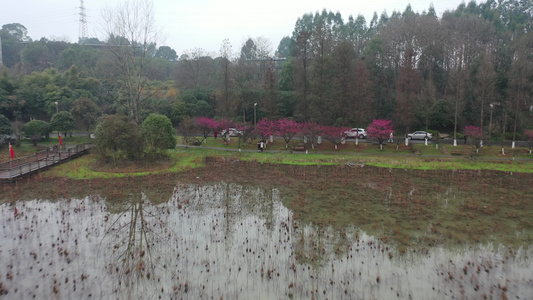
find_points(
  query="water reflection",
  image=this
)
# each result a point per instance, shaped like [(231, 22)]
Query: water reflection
[(229, 241)]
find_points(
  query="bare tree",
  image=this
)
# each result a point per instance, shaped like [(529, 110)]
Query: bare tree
[(408, 85), (263, 47), (131, 33), (521, 72), (345, 102), (225, 104), (193, 68), (270, 96), (467, 37), (303, 58), (485, 86)]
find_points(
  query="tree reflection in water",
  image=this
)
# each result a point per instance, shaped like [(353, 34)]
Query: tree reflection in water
[(229, 241)]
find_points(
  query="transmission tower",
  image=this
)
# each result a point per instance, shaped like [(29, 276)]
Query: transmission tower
[(1, 60), (83, 23)]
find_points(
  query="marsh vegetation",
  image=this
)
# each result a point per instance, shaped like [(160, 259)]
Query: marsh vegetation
[(236, 228)]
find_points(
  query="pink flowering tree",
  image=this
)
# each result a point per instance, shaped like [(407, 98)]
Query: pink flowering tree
[(475, 134), (287, 129), (311, 131), (206, 126), (529, 136), (265, 128), (334, 134), (225, 124), (247, 132), (380, 130)]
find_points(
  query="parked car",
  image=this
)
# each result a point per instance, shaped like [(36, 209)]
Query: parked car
[(231, 131), (356, 132), (419, 135)]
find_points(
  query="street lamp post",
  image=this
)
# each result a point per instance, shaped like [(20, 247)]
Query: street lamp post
[(57, 111), (255, 114), (490, 121)]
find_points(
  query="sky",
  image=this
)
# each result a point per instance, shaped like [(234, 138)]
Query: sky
[(190, 24)]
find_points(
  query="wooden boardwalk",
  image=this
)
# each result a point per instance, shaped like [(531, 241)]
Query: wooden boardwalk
[(16, 169)]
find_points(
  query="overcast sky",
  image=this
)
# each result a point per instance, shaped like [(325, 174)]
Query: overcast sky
[(189, 24)]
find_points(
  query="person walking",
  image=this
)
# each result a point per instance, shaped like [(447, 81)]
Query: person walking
[(391, 138)]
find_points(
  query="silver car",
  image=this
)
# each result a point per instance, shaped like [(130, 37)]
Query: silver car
[(355, 132), (231, 132), (420, 135)]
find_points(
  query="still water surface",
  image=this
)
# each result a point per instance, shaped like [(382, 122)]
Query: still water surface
[(227, 241)]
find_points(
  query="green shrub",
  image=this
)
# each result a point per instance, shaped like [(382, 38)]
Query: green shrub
[(118, 138), (63, 122), (36, 129), (158, 135)]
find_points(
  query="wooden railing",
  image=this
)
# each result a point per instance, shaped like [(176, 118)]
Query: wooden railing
[(11, 170)]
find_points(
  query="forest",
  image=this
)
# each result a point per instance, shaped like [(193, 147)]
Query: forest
[(472, 66)]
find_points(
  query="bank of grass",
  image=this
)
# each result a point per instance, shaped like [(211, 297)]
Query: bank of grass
[(397, 162), (182, 159), (88, 167)]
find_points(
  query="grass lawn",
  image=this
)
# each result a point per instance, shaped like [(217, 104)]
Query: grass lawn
[(393, 155), (372, 147)]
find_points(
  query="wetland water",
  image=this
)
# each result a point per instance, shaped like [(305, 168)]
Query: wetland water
[(232, 241)]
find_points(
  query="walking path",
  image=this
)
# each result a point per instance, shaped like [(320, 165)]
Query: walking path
[(13, 170)]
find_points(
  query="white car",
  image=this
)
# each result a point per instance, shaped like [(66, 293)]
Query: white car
[(419, 135), (356, 132), (231, 132)]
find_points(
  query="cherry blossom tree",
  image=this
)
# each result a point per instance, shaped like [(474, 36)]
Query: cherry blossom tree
[(529, 136), (334, 134), (206, 126), (311, 132), (287, 129), (225, 125), (265, 128), (247, 131), (380, 130), (475, 134)]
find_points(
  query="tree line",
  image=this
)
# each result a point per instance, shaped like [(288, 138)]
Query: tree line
[(471, 66)]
